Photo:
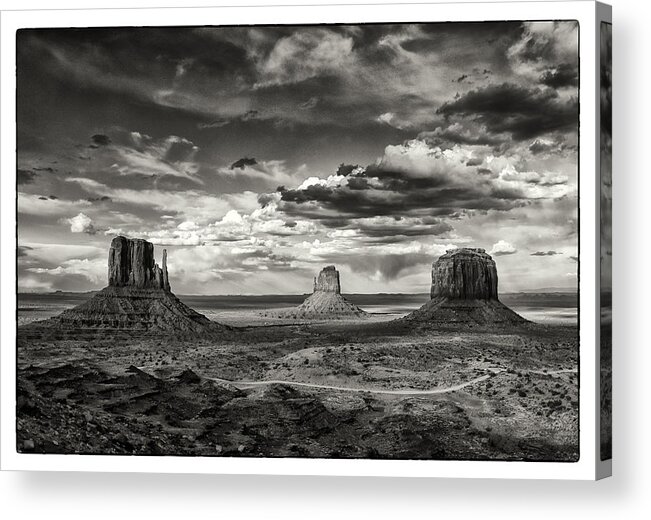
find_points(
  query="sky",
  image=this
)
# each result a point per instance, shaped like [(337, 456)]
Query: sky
[(258, 155), (606, 154)]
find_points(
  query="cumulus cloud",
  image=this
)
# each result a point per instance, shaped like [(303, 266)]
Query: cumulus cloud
[(233, 227), (417, 179), (502, 248), (82, 223), (332, 181)]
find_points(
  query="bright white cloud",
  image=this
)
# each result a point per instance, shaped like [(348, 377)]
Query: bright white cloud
[(332, 181), (502, 248), (392, 119), (82, 223)]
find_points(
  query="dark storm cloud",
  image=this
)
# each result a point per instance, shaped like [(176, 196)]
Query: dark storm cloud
[(545, 253), (397, 193), (497, 36), (606, 80), (125, 50), (564, 75), (25, 176), (521, 111), (22, 251), (100, 140), (244, 161), (389, 266), (447, 136), (426, 227), (388, 230), (103, 198)]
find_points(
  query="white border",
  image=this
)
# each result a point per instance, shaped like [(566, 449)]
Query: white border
[(582, 11)]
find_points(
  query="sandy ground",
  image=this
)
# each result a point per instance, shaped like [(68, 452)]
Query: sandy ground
[(371, 389)]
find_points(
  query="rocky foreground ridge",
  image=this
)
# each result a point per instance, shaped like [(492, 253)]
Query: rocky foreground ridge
[(464, 291), (138, 298)]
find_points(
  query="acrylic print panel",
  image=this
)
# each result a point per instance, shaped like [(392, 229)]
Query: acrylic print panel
[(606, 240), (268, 202)]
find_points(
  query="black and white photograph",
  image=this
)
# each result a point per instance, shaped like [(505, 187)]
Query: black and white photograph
[(328, 241)]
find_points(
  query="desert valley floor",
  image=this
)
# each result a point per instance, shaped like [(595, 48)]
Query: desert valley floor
[(374, 387)]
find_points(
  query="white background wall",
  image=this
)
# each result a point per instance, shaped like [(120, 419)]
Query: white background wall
[(626, 495)]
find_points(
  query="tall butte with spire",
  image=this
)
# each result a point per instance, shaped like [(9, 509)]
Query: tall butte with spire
[(138, 298), (464, 291)]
